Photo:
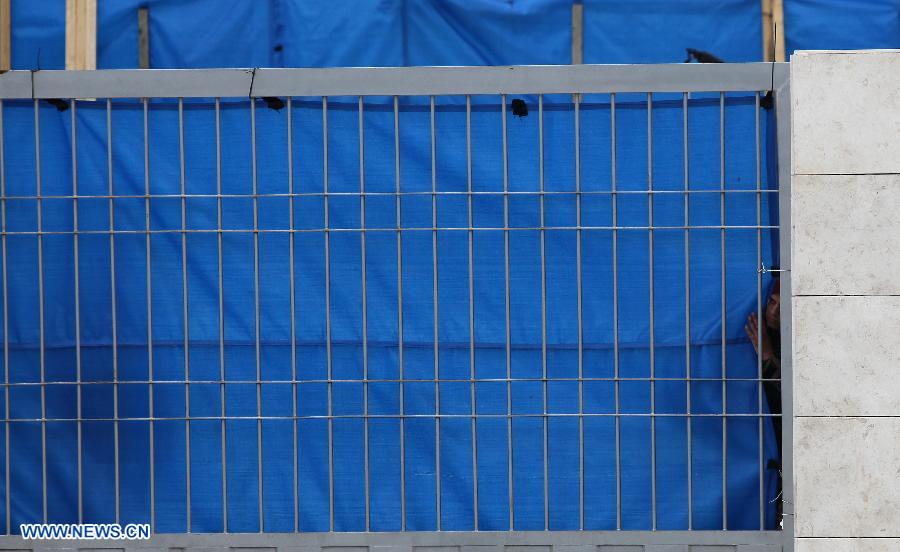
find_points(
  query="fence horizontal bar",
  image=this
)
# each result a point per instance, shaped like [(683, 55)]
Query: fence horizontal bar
[(385, 229), (372, 380), (366, 194), (392, 81), (121, 419)]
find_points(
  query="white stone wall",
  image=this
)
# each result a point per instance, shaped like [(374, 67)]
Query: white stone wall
[(845, 315)]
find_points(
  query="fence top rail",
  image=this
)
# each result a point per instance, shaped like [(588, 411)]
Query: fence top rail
[(393, 81)]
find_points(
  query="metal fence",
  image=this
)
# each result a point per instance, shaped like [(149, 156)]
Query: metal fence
[(466, 89)]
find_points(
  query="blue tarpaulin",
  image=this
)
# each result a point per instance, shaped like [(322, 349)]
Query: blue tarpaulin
[(285, 33), (659, 31), (841, 24)]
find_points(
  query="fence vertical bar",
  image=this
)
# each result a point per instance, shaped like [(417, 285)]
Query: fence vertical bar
[(5, 324), (365, 314), (471, 252), (724, 319), (509, 424), (146, 106), (293, 291), (615, 263), (400, 312), (221, 316), (184, 303), (544, 390), (687, 308), (328, 316), (255, 184), (578, 289), (77, 281), (40, 252), (434, 278), (113, 308), (652, 310)]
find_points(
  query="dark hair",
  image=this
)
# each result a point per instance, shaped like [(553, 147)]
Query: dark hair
[(774, 333)]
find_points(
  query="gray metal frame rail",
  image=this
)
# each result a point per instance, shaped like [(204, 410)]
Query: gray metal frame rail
[(429, 81)]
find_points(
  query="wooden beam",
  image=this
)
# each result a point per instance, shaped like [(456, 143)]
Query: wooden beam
[(577, 33), (5, 36), (577, 38), (81, 34), (778, 14), (773, 25), (143, 38)]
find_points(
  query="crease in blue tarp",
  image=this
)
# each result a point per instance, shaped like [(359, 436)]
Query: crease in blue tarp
[(205, 364)]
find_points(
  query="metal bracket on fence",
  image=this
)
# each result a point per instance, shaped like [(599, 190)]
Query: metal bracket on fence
[(774, 268)]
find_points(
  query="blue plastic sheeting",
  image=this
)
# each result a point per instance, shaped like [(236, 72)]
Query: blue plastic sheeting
[(184, 34), (841, 24), (659, 31), (39, 35), (487, 32), (295, 33), (428, 32), (202, 362), (343, 34)]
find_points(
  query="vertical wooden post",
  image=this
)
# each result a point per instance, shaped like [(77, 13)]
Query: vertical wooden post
[(577, 32), (778, 14), (5, 36), (577, 38), (81, 34), (143, 38), (773, 13)]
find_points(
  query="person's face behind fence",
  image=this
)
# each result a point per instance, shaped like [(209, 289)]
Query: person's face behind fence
[(773, 308)]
